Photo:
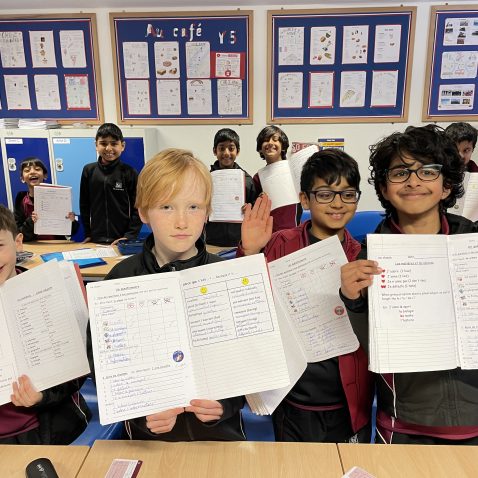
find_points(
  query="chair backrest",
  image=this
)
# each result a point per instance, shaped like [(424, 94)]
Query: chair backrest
[(363, 223)]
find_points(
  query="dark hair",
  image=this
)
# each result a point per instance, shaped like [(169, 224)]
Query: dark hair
[(459, 132), (331, 165), (226, 134), (266, 134), (427, 144), (33, 161), (109, 129), (7, 221)]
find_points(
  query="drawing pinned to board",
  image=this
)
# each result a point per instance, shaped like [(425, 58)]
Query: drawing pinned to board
[(198, 63), (166, 59), (199, 97), (291, 46), (229, 97), (387, 43), (139, 102), (322, 45), (12, 50), (72, 45), (352, 89), (169, 97), (135, 58), (355, 46), (42, 49)]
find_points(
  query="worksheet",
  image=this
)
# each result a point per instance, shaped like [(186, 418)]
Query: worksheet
[(228, 195), (162, 340), (52, 204)]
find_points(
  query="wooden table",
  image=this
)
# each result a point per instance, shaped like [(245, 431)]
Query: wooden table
[(410, 461), (88, 273), (217, 459), (67, 460)]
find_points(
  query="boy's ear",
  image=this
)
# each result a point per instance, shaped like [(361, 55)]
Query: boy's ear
[(19, 242), (383, 190), (143, 216), (446, 192), (304, 200)]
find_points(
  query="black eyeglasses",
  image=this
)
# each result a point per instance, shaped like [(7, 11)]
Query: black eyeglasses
[(325, 196), (400, 174)]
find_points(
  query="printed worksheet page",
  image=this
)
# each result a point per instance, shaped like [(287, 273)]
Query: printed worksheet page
[(467, 206), (43, 329), (228, 195), (463, 256), (411, 311), (307, 284), (52, 204), (277, 182), (162, 340)]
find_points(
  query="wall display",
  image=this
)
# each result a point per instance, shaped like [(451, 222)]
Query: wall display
[(179, 67), (450, 92), (49, 68), (340, 65)]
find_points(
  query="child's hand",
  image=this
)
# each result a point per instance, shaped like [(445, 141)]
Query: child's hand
[(206, 410), (71, 216), (256, 227), (34, 216), (117, 240), (24, 393), (356, 276), (163, 422)]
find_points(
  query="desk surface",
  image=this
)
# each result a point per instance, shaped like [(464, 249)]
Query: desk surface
[(412, 461), (43, 247), (217, 459), (67, 460)]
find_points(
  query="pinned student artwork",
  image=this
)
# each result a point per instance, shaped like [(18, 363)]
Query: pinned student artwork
[(183, 67)]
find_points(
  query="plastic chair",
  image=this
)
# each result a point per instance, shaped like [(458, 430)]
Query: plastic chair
[(94, 430), (363, 223)]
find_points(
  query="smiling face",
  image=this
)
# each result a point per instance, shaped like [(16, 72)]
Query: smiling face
[(226, 153), (8, 254), (109, 149), (329, 219), (178, 222), (33, 175), (415, 200), (271, 149)]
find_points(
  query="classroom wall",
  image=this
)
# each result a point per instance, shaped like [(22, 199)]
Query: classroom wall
[(199, 137)]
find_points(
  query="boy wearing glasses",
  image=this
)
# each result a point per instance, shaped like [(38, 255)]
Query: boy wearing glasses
[(332, 400), (417, 176)]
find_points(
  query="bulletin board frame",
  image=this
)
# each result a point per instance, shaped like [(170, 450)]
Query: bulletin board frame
[(335, 23), (166, 29), (451, 94), (73, 81)]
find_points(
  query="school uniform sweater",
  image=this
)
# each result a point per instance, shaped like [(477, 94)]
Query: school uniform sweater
[(107, 198), (352, 373), (187, 427), (443, 403)]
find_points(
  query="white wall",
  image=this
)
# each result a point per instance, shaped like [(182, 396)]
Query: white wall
[(199, 137)]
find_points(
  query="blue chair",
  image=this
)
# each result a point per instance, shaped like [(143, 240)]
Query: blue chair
[(94, 430), (305, 216), (257, 427), (363, 223)]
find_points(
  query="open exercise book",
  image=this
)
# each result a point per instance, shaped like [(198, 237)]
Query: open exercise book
[(161, 340), (281, 180), (313, 320), (43, 319), (467, 206), (423, 309)]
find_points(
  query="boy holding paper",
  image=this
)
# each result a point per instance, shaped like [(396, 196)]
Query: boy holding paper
[(417, 176), (272, 145), (57, 415), (332, 400), (174, 198), (226, 149), (33, 172)]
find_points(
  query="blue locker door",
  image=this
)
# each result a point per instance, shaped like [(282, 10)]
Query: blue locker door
[(70, 155), (3, 186), (19, 149), (133, 153)]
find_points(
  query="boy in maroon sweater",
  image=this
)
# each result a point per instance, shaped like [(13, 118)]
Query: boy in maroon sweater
[(54, 416), (332, 400)]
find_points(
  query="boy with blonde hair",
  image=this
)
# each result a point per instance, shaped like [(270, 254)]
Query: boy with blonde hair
[(174, 199)]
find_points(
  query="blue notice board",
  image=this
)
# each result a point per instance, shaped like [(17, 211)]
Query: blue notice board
[(451, 85), (48, 68), (180, 67), (340, 65)]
